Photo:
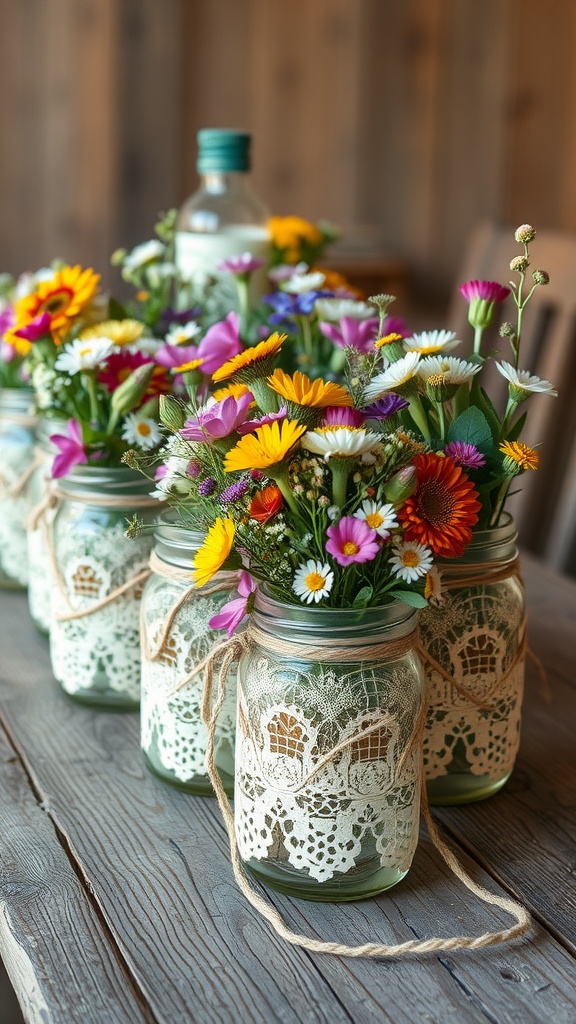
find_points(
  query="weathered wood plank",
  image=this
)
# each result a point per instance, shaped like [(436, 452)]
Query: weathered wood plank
[(57, 954), (157, 863)]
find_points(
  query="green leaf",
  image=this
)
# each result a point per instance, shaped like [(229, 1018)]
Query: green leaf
[(517, 428), (363, 597), (115, 310), (472, 427), (410, 597)]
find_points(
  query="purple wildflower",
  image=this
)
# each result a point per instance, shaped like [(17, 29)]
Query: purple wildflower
[(176, 355), (234, 492), (287, 306), (360, 334), (465, 455), (232, 613), (241, 265), (249, 426), (193, 469), (207, 487), (387, 405), (218, 420)]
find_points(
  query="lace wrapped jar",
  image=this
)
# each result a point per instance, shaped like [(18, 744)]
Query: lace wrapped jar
[(98, 578), (176, 636), (17, 439), (472, 645), (40, 582), (328, 762)]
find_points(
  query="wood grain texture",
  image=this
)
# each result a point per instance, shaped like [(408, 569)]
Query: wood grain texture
[(156, 863)]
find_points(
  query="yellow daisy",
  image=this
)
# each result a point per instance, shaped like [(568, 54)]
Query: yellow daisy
[(520, 455), (214, 551), (231, 391), (252, 362), (121, 332), (63, 297), (388, 339), (289, 232), (266, 447), (299, 389), (192, 364)]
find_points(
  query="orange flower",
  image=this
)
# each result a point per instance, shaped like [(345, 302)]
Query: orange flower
[(63, 298), (442, 509), (251, 363), (266, 504)]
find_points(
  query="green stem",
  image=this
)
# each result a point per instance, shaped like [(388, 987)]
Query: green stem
[(419, 416), (441, 419), (478, 332), (243, 286), (280, 477), (93, 398), (500, 499), (306, 331), (340, 472)]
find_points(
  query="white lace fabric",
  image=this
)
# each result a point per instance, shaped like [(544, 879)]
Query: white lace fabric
[(172, 732), (474, 635), (14, 510), (298, 805)]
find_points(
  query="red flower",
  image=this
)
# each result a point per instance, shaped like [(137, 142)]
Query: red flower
[(120, 365), (266, 503), (442, 509)]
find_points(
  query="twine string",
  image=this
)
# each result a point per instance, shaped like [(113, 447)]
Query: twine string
[(14, 489), (211, 707)]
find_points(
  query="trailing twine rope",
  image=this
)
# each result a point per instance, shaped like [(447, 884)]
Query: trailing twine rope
[(226, 653), (56, 495), (14, 489), (222, 581)]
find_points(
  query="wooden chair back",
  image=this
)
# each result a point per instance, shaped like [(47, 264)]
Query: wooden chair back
[(545, 505)]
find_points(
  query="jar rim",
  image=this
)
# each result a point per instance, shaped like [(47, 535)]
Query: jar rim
[(301, 621)]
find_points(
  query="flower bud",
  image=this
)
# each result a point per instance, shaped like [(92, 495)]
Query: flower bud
[(132, 390), (437, 388), (520, 263), (507, 330), (525, 234), (540, 277), (401, 486), (172, 413)]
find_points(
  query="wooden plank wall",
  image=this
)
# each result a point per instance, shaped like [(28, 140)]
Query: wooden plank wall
[(414, 119)]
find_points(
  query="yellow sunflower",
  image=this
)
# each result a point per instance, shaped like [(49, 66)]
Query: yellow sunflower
[(252, 363), (266, 447), (214, 551), (317, 394), (63, 298), (121, 332)]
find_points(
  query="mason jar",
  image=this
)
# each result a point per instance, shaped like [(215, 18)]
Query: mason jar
[(328, 758), (176, 636), (94, 631), (17, 439), (40, 582), (472, 645)]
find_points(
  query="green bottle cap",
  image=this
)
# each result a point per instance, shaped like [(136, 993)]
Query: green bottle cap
[(223, 149)]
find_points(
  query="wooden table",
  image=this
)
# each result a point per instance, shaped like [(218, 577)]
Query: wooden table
[(117, 901)]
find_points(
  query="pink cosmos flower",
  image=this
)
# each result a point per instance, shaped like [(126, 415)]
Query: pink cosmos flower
[(220, 343), (71, 449), (219, 420), (251, 425), (176, 355), (351, 540), (231, 615), (342, 416), (490, 290), (241, 265), (361, 334), (36, 329)]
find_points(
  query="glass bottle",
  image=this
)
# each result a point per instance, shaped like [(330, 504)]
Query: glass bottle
[(40, 582), (474, 640), (176, 636), (17, 440), (328, 767), (96, 657), (223, 217)]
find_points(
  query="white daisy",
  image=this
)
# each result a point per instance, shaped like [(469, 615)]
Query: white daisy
[(313, 581), (454, 371), (428, 343), (143, 254), (84, 354), (141, 430), (334, 309), (381, 518), (525, 381), (284, 271), (174, 478), (393, 377), (299, 284), (411, 560), (340, 442), (181, 333)]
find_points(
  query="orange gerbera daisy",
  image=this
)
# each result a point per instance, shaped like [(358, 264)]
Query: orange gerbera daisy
[(266, 504), (443, 508), (63, 298), (300, 390), (252, 363)]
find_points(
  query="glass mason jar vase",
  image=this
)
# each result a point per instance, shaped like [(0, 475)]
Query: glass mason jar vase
[(328, 763), (472, 645), (94, 632), (40, 582), (17, 439), (176, 636)]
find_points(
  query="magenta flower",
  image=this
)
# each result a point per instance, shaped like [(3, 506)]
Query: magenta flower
[(351, 540), (342, 416), (465, 455), (219, 420), (490, 290), (220, 343), (231, 615), (176, 355), (361, 334), (71, 449), (249, 426), (36, 329), (241, 265)]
